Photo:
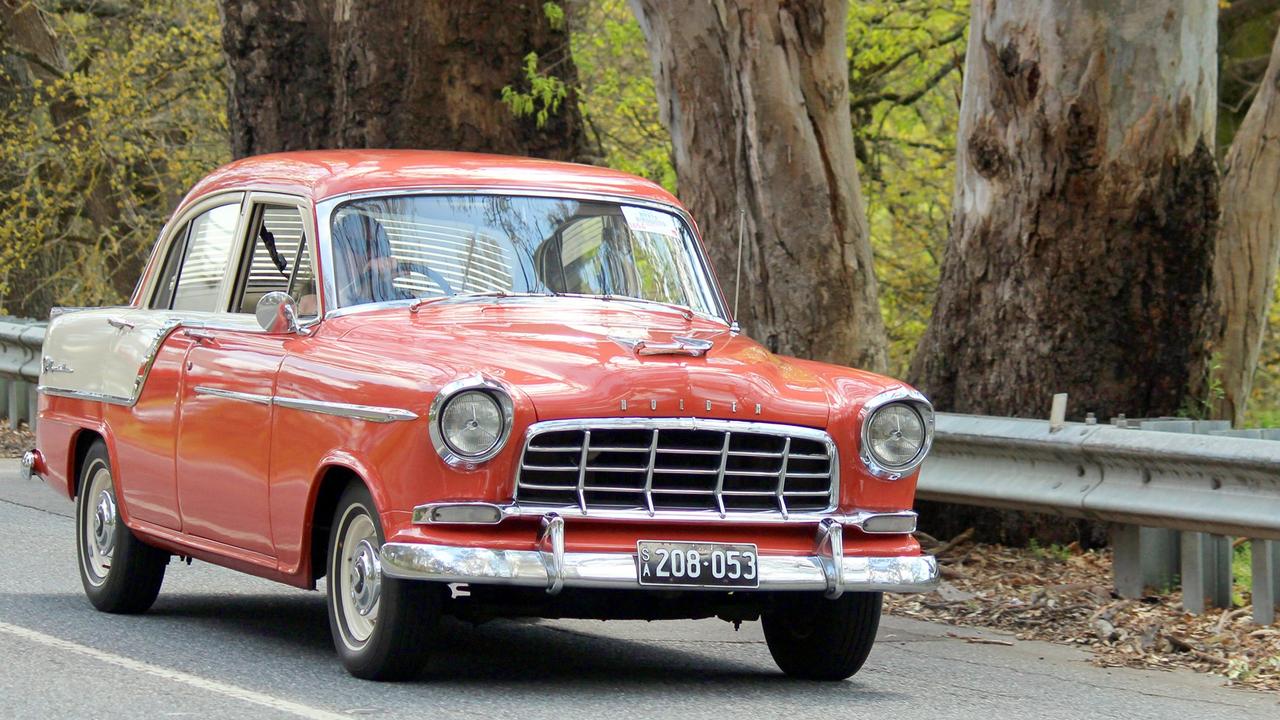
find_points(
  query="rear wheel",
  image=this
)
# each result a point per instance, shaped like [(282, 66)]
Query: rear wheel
[(119, 572), (382, 627), (814, 638)]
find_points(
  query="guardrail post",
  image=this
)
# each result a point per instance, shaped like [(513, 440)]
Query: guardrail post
[(1206, 571), (5, 384), (1266, 580), (17, 403), (1143, 558)]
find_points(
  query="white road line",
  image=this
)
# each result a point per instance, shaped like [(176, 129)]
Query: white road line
[(231, 691)]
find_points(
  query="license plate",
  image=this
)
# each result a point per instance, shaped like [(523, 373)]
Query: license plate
[(704, 565)]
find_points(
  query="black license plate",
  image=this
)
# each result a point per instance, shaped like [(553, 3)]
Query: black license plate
[(691, 564)]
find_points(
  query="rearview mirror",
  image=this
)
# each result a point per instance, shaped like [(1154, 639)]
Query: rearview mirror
[(277, 313)]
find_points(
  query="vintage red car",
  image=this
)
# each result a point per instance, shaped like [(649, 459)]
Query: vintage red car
[(477, 386)]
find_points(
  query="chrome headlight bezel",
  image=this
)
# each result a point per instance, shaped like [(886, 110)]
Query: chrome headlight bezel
[(451, 455), (897, 396)]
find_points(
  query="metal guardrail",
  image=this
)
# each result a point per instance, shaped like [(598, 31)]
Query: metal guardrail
[(20, 342), (1174, 497), (1149, 483)]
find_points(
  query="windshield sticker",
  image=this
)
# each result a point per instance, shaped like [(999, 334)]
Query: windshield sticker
[(651, 221)]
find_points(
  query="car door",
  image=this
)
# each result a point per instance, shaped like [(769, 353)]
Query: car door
[(144, 354), (228, 382)]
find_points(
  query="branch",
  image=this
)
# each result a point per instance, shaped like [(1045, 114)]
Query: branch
[(911, 97)]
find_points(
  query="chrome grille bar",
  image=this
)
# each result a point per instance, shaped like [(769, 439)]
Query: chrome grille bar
[(677, 465)]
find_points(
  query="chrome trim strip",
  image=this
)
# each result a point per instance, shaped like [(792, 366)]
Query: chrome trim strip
[(85, 395), (528, 568), (857, 519), (233, 395), (359, 412), (907, 396), (658, 424)]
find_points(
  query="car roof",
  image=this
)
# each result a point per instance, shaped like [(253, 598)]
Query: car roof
[(322, 174)]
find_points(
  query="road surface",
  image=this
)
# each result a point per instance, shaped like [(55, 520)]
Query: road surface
[(219, 644)]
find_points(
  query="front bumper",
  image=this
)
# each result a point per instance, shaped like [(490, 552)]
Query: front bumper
[(549, 566)]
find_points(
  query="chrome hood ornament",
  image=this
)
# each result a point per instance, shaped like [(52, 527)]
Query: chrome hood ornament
[(679, 345)]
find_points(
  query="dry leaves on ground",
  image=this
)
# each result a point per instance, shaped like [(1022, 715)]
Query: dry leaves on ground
[(1064, 595), (15, 442)]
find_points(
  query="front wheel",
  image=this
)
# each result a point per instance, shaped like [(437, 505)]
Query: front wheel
[(382, 627), (119, 572), (814, 638)]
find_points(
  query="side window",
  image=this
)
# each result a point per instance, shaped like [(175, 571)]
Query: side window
[(206, 254), (278, 260)]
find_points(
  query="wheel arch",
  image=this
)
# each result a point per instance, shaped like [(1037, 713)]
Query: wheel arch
[(331, 481)]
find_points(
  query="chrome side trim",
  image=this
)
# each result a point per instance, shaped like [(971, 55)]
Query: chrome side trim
[(85, 395), (233, 395), (907, 396), (528, 568), (422, 513), (359, 412)]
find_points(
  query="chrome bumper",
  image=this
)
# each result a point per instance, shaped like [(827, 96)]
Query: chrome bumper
[(550, 567)]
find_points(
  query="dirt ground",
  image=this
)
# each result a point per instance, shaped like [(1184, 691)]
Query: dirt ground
[(1064, 595)]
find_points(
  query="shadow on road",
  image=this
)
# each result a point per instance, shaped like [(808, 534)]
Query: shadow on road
[(251, 629)]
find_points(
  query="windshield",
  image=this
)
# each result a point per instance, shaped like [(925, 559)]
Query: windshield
[(426, 246)]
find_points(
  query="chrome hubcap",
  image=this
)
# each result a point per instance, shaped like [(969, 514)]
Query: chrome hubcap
[(357, 577), (366, 578), (104, 523)]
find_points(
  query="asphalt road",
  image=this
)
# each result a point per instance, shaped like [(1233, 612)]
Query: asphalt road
[(219, 644)]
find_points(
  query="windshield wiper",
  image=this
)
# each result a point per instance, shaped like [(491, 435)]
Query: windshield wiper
[(686, 311), (470, 296)]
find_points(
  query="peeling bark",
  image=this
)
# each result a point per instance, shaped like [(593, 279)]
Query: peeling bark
[(393, 73), (1249, 245), (1085, 212), (755, 95)]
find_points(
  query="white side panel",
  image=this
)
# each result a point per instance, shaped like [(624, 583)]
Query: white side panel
[(103, 353)]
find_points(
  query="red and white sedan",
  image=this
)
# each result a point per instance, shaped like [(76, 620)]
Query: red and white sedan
[(476, 386)]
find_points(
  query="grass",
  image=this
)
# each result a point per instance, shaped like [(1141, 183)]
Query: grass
[(1241, 573)]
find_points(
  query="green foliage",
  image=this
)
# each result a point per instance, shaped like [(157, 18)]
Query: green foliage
[(95, 153), (1241, 573), (905, 63), (1201, 408), (555, 15), (543, 97), (1055, 551), (618, 101)]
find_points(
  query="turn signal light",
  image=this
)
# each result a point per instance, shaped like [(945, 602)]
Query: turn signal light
[(459, 514), (890, 523)]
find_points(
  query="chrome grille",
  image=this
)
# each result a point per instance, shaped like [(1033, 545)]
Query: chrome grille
[(658, 465)]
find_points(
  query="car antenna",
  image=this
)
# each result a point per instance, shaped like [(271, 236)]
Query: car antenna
[(737, 280)]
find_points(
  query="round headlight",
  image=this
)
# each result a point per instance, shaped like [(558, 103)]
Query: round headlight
[(472, 423), (896, 436)]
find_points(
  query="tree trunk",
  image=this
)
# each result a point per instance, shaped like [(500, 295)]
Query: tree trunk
[(755, 94), (1249, 246), (394, 73), (281, 90), (1085, 212)]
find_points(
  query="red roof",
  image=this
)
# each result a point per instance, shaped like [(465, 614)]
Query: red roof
[(321, 174)]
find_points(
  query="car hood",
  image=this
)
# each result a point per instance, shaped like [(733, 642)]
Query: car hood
[(576, 357)]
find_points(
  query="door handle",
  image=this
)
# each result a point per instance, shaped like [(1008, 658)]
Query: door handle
[(200, 336), (120, 324)]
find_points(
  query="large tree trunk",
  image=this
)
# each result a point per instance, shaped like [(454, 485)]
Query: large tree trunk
[(1085, 212), (755, 94), (393, 73), (1249, 245)]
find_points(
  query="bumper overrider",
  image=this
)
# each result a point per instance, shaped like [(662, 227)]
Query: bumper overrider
[(827, 569)]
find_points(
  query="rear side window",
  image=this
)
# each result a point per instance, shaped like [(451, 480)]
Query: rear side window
[(197, 262)]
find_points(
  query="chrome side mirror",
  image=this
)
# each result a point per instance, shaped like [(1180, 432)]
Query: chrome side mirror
[(277, 313)]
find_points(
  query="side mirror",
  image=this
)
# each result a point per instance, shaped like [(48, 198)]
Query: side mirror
[(277, 313)]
